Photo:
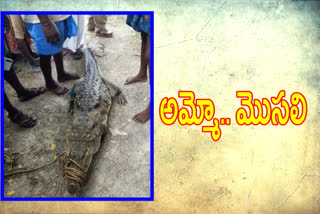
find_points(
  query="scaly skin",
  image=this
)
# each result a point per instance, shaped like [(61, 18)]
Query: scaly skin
[(91, 101)]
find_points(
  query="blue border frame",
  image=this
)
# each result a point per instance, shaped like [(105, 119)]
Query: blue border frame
[(151, 198)]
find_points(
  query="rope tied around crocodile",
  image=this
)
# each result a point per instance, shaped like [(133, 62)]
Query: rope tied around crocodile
[(6, 175), (76, 173)]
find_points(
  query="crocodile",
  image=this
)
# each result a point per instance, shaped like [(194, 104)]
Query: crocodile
[(90, 104)]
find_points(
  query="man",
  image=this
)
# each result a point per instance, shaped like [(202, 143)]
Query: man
[(49, 33)]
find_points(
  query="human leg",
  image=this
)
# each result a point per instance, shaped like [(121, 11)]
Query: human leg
[(91, 24), (142, 75), (9, 107), (62, 74), (17, 116), (100, 21), (23, 93), (144, 116), (51, 84), (11, 77)]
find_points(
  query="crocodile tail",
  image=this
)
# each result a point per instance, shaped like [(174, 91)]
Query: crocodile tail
[(91, 62)]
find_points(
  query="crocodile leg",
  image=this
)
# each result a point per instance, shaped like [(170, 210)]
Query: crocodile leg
[(72, 99), (115, 92)]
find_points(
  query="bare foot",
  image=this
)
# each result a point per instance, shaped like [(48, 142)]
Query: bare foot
[(136, 79), (68, 76), (142, 117), (57, 89)]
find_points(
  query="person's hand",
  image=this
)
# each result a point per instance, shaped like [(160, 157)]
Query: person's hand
[(49, 29)]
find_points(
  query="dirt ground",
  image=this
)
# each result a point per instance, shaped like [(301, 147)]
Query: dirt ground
[(121, 168)]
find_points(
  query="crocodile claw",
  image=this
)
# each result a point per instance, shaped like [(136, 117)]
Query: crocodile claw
[(121, 99)]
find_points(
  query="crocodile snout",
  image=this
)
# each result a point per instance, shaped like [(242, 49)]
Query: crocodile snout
[(73, 187)]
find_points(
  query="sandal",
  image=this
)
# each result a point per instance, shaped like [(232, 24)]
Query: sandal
[(104, 33), (32, 92), (78, 54), (23, 120)]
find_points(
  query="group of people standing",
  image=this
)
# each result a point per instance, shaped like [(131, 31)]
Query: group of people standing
[(51, 34)]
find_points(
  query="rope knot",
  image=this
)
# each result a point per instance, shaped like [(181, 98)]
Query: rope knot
[(73, 170)]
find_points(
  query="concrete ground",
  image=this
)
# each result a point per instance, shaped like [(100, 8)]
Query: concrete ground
[(121, 168)]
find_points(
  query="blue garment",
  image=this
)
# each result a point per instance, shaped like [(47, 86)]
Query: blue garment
[(66, 28), (140, 23)]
